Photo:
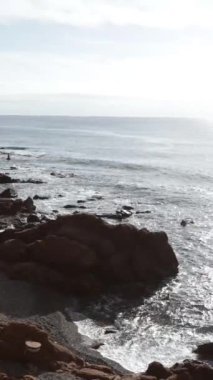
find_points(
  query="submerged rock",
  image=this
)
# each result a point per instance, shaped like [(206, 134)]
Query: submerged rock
[(81, 254)]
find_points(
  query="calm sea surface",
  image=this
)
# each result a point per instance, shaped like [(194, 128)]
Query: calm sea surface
[(161, 165)]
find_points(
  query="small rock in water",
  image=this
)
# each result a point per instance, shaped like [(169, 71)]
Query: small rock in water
[(184, 222), (70, 206), (4, 178), (95, 198), (143, 212), (110, 330), (128, 208), (33, 181), (8, 193), (123, 213), (81, 201), (41, 197)]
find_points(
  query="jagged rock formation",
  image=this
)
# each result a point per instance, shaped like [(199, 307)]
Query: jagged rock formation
[(83, 255)]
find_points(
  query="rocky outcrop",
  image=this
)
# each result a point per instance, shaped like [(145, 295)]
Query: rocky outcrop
[(188, 370), (27, 343), (4, 178), (83, 255), (8, 193), (205, 350), (10, 206)]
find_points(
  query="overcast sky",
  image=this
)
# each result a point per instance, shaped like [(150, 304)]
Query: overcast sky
[(107, 57)]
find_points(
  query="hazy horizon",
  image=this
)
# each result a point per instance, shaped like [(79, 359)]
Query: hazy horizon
[(130, 58)]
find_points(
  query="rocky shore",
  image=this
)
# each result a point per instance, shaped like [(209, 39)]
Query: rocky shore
[(83, 256)]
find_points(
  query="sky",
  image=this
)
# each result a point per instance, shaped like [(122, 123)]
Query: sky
[(107, 57)]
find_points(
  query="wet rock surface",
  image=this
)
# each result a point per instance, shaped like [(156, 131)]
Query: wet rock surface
[(84, 256)]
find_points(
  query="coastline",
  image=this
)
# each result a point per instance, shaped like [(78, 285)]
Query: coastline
[(47, 311)]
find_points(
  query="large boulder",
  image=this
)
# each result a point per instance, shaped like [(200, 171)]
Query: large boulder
[(205, 350), (86, 255)]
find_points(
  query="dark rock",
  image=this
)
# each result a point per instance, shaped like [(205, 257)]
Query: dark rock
[(8, 193), (143, 212), (184, 222), (83, 255), (95, 198), (41, 197), (29, 205), (158, 370), (33, 218), (81, 201), (124, 213), (109, 216), (205, 350), (60, 175), (33, 181), (118, 215), (11, 207), (4, 178), (70, 206), (110, 330), (13, 250), (128, 208), (18, 222)]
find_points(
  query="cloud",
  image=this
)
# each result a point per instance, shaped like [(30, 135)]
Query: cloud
[(146, 13)]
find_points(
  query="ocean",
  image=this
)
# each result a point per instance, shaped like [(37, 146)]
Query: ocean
[(162, 166)]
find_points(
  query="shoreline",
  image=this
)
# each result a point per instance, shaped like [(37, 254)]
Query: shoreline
[(53, 321)]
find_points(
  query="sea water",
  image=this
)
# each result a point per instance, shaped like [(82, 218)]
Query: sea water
[(164, 166)]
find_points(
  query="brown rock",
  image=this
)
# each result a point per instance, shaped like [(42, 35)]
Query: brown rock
[(158, 370), (91, 255), (60, 250)]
